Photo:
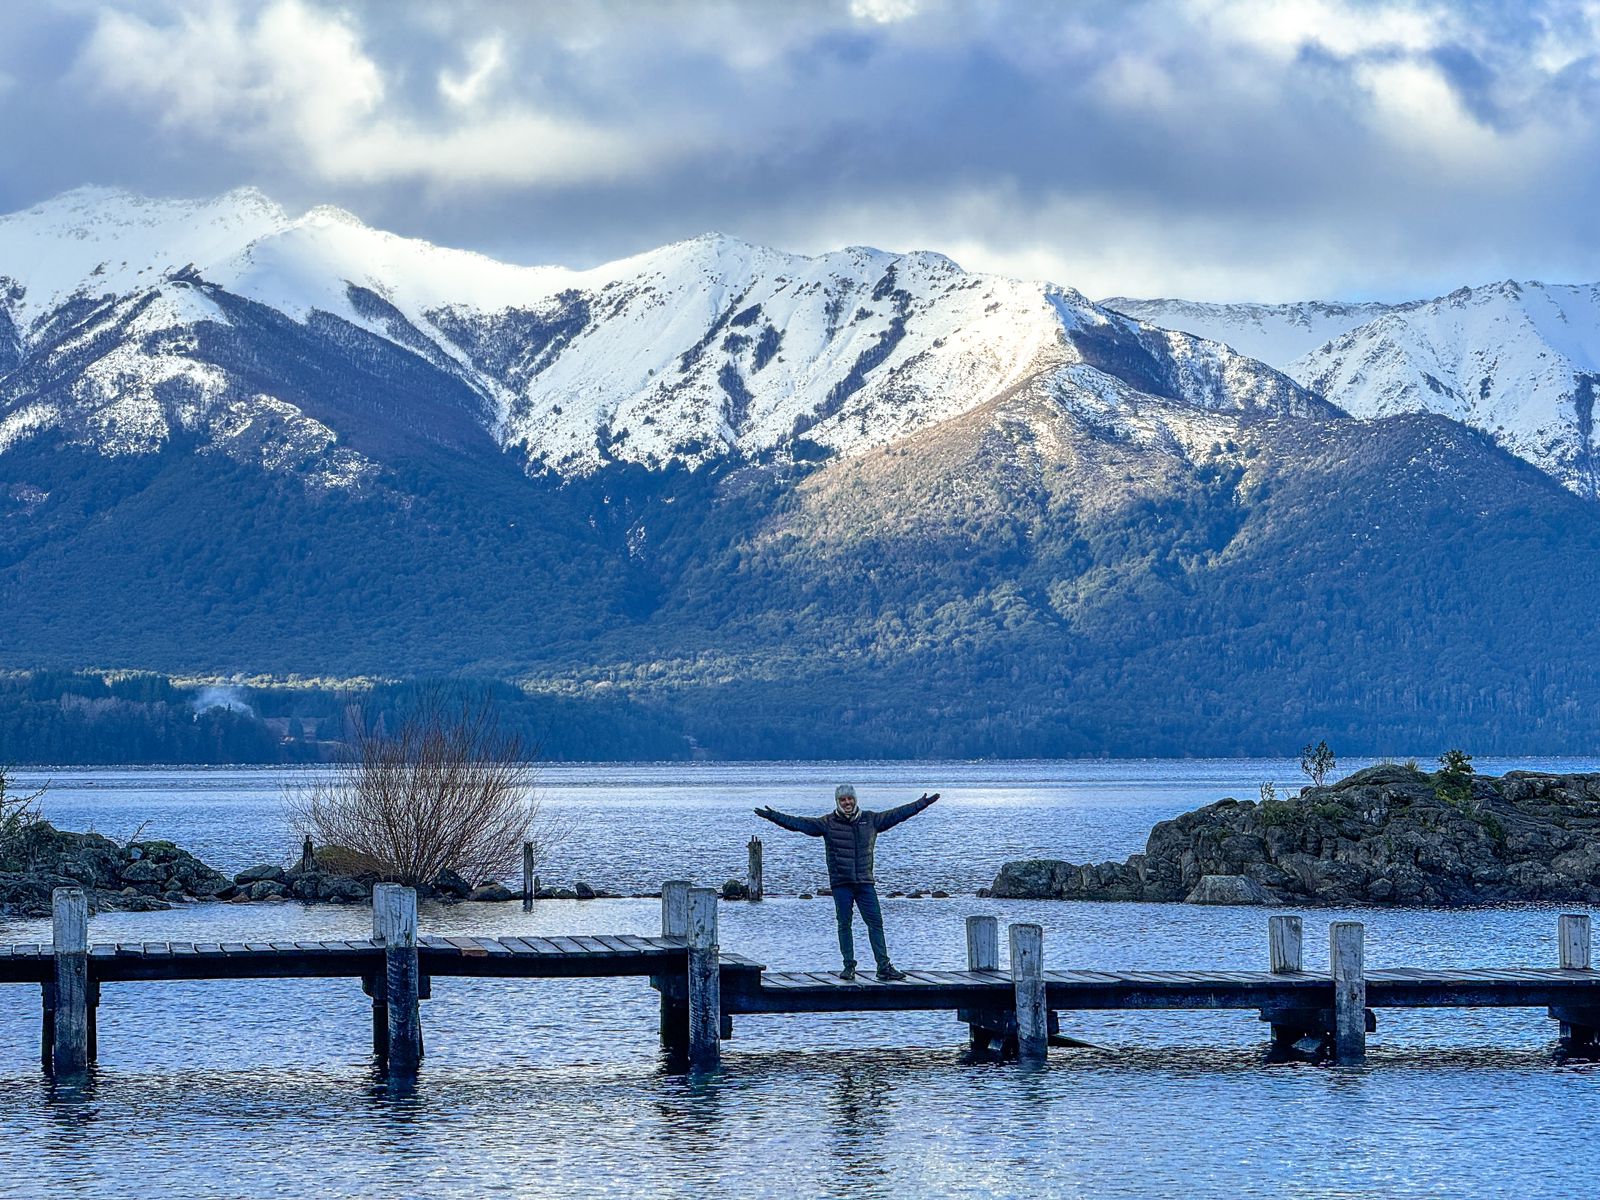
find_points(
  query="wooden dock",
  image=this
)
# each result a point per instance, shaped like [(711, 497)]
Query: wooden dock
[(1012, 1013)]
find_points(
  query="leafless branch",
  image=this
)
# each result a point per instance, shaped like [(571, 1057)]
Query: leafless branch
[(445, 790)]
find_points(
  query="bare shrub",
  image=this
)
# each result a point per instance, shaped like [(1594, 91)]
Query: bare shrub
[(446, 789), (17, 811)]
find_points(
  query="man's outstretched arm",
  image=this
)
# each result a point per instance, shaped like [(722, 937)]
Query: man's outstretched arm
[(890, 817), (807, 825)]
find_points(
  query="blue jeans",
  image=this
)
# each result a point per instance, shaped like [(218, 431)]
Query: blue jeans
[(865, 897)]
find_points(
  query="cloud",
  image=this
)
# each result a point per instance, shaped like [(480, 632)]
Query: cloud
[(486, 60), (1220, 148), (297, 82)]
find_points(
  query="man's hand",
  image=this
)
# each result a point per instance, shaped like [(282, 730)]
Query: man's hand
[(928, 798), (765, 812)]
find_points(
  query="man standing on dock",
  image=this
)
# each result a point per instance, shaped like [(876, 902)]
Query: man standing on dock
[(849, 835)]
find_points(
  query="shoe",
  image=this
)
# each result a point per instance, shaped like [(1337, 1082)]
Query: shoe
[(889, 972), (849, 972)]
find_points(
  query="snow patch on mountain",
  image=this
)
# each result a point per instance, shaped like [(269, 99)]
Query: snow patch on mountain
[(1519, 361), (1277, 334), (685, 354)]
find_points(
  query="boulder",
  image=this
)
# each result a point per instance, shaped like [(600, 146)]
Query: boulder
[(448, 883), (341, 889), (1031, 879), (263, 889), (145, 870), (582, 891), (259, 872), (494, 892), (1227, 889), (138, 903), (732, 889)]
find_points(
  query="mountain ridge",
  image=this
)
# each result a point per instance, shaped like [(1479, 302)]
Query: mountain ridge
[(1519, 360), (689, 352), (851, 505)]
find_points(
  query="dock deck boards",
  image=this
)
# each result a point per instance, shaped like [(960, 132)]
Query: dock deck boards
[(752, 988), (748, 987)]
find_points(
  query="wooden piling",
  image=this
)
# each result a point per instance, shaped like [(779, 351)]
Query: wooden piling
[(47, 1026), (705, 983), (985, 1026), (377, 985), (983, 943), (1580, 1027), (1296, 1030), (395, 914), (674, 989), (753, 880), (1284, 935), (1027, 975), (1572, 934), (529, 887), (1346, 954), (675, 908), (70, 935)]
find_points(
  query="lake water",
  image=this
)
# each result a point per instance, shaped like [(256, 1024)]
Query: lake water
[(548, 1088)]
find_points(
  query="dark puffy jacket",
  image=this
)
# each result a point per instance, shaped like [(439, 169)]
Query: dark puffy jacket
[(849, 844)]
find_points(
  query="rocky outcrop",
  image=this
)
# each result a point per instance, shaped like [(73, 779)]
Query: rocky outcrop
[(139, 876), (1227, 889), (1385, 835)]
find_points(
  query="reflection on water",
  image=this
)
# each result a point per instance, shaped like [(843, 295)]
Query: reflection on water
[(267, 1088)]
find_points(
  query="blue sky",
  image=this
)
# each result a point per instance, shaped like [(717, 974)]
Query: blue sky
[(1252, 149)]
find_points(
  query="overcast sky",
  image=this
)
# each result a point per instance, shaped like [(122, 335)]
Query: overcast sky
[(1259, 149)]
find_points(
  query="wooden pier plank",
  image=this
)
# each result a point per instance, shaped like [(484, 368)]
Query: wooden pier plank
[(517, 946), (544, 945), (568, 945)]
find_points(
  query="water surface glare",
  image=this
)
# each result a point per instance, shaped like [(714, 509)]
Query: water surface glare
[(267, 1088)]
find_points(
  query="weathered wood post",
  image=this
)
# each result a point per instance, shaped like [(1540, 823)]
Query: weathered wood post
[(398, 923), (1346, 955), (983, 954), (529, 887), (705, 983), (1580, 1027), (753, 881), (69, 1053), (376, 985), (674, 989), (1572, 932), (1027, 976), (1284, 936), (675, 908), (1300, 1030), (983, 943), (308, 855)]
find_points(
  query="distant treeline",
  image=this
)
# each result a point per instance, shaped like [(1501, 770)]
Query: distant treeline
[(78, 718)]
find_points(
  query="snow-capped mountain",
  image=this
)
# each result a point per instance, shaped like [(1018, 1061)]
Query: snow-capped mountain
[(1519, 361), (125, 321)]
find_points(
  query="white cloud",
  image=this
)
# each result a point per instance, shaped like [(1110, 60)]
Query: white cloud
[(1283, 28), (1415, 107), (1218, 147), (485, 62), (296, 81), (883, 12)]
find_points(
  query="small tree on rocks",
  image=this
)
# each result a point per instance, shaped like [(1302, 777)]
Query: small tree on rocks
[(444, 789), (1316, 761), (1453, 783)]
